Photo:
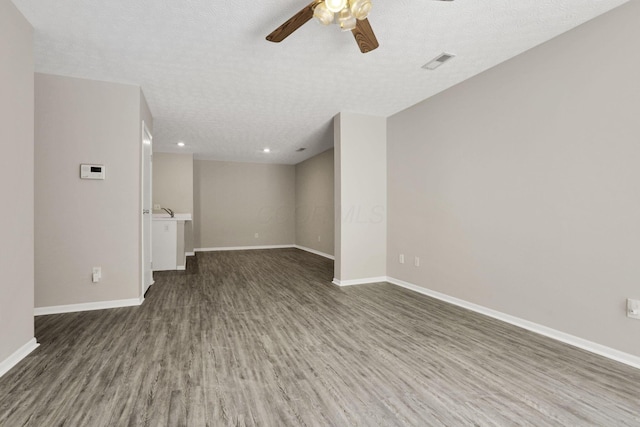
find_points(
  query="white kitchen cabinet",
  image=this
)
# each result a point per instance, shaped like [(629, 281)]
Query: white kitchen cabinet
[(165, 239), (168, 246)]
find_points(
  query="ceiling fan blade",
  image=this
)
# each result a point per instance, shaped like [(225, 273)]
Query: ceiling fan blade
[(364, 36), (295, 22)]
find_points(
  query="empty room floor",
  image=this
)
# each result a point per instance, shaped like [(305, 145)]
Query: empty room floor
[(264, 338)]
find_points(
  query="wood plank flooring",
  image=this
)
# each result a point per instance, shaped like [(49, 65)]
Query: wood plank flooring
[(262, 338)]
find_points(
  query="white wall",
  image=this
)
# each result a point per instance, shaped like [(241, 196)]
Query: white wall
[(518, 188), (315, 203), (16, 183), (361, 197), (233, 201), (79, 223)]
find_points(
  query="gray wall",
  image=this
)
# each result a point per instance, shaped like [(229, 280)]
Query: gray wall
[(79, 223), (361, 197), (233, 201), (314, 203), (173, 181), (16, 180), (173, 189), (519, 188)]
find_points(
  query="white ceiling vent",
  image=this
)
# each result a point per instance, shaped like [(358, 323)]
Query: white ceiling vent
[(438, 61)]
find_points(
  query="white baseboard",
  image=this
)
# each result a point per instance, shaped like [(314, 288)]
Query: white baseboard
[(17, 356), (243, 248), (101, 305), (599, 349), (189, 254), (313, 251), (181, 268), (359, 281)]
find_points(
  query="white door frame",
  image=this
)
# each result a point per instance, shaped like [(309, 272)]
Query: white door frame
[(146, 135)]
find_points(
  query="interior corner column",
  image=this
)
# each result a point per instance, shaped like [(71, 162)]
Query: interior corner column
[(360, 198)]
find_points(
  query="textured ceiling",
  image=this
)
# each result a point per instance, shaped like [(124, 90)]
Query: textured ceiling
[(212, 81)]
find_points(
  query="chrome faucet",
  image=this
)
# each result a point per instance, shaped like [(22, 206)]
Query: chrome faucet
[(169, 211)]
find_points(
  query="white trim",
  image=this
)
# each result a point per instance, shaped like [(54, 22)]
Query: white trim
[(143, 266), (189, 254), (17, 356), (599, 349), (243, 248), (313, 251), (181, 268), (359, 281), (88, 306)]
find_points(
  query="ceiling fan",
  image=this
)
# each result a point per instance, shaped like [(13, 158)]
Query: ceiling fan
[(350, 15)]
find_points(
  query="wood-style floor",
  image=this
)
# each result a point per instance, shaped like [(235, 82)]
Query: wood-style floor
[(264, 338)]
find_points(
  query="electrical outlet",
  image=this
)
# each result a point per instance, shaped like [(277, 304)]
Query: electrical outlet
[(257, 235), (416, 262), (401, 258), (633, 308), (157, 207), (96, 274), (318, 238)]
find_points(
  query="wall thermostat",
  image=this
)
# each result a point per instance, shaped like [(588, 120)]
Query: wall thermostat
[(92, 171)]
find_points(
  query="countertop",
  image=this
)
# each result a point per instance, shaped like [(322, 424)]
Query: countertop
[(167, 217)]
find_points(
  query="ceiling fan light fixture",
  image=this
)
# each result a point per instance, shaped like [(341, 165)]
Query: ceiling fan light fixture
[(360, 8), (346, 20), (361, 29), (335, 6), (322, 14)]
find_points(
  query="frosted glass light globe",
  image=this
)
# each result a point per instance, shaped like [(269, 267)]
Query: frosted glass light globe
[(346, 20), (360, 8), (335, 6), (322, 14)]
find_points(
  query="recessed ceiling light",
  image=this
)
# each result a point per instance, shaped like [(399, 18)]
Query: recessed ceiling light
[(180, 144), (266, 150)]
